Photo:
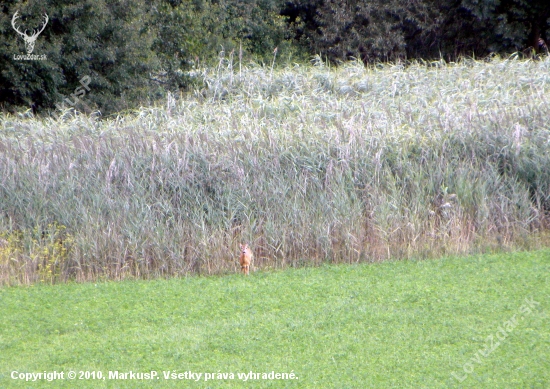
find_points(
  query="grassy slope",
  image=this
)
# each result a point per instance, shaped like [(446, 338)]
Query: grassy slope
[(397, 324)]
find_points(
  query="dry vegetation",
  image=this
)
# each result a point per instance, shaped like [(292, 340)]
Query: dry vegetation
[(308, 164)]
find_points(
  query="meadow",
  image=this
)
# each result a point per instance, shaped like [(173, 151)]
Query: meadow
[(310, 164), (456, 322)]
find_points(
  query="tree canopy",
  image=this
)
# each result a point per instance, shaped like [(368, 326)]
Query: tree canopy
[(135, 51)]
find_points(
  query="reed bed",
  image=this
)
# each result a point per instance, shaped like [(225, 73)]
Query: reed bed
[(308, 164)]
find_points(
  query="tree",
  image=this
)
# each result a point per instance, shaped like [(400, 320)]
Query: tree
[(511, 25), (132, 51), (378, 30), (374, 30), (104, 40)]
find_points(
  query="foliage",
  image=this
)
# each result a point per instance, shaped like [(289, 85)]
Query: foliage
[(36, 255), (134, 52), (511, 25), (103, 40), (391, 30)]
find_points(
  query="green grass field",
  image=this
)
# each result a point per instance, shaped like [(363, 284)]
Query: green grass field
[(405, 324)]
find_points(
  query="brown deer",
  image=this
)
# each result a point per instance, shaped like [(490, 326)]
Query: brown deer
[(245, 259)]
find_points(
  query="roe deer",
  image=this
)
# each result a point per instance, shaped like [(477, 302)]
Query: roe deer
[(245, 258)]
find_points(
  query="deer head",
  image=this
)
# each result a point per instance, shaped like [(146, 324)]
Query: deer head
[(29, 40)]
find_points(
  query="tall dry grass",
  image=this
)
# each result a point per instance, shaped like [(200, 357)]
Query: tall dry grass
[(308, 164)]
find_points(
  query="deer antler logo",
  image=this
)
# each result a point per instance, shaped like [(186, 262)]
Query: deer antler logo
[(29, 40)]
